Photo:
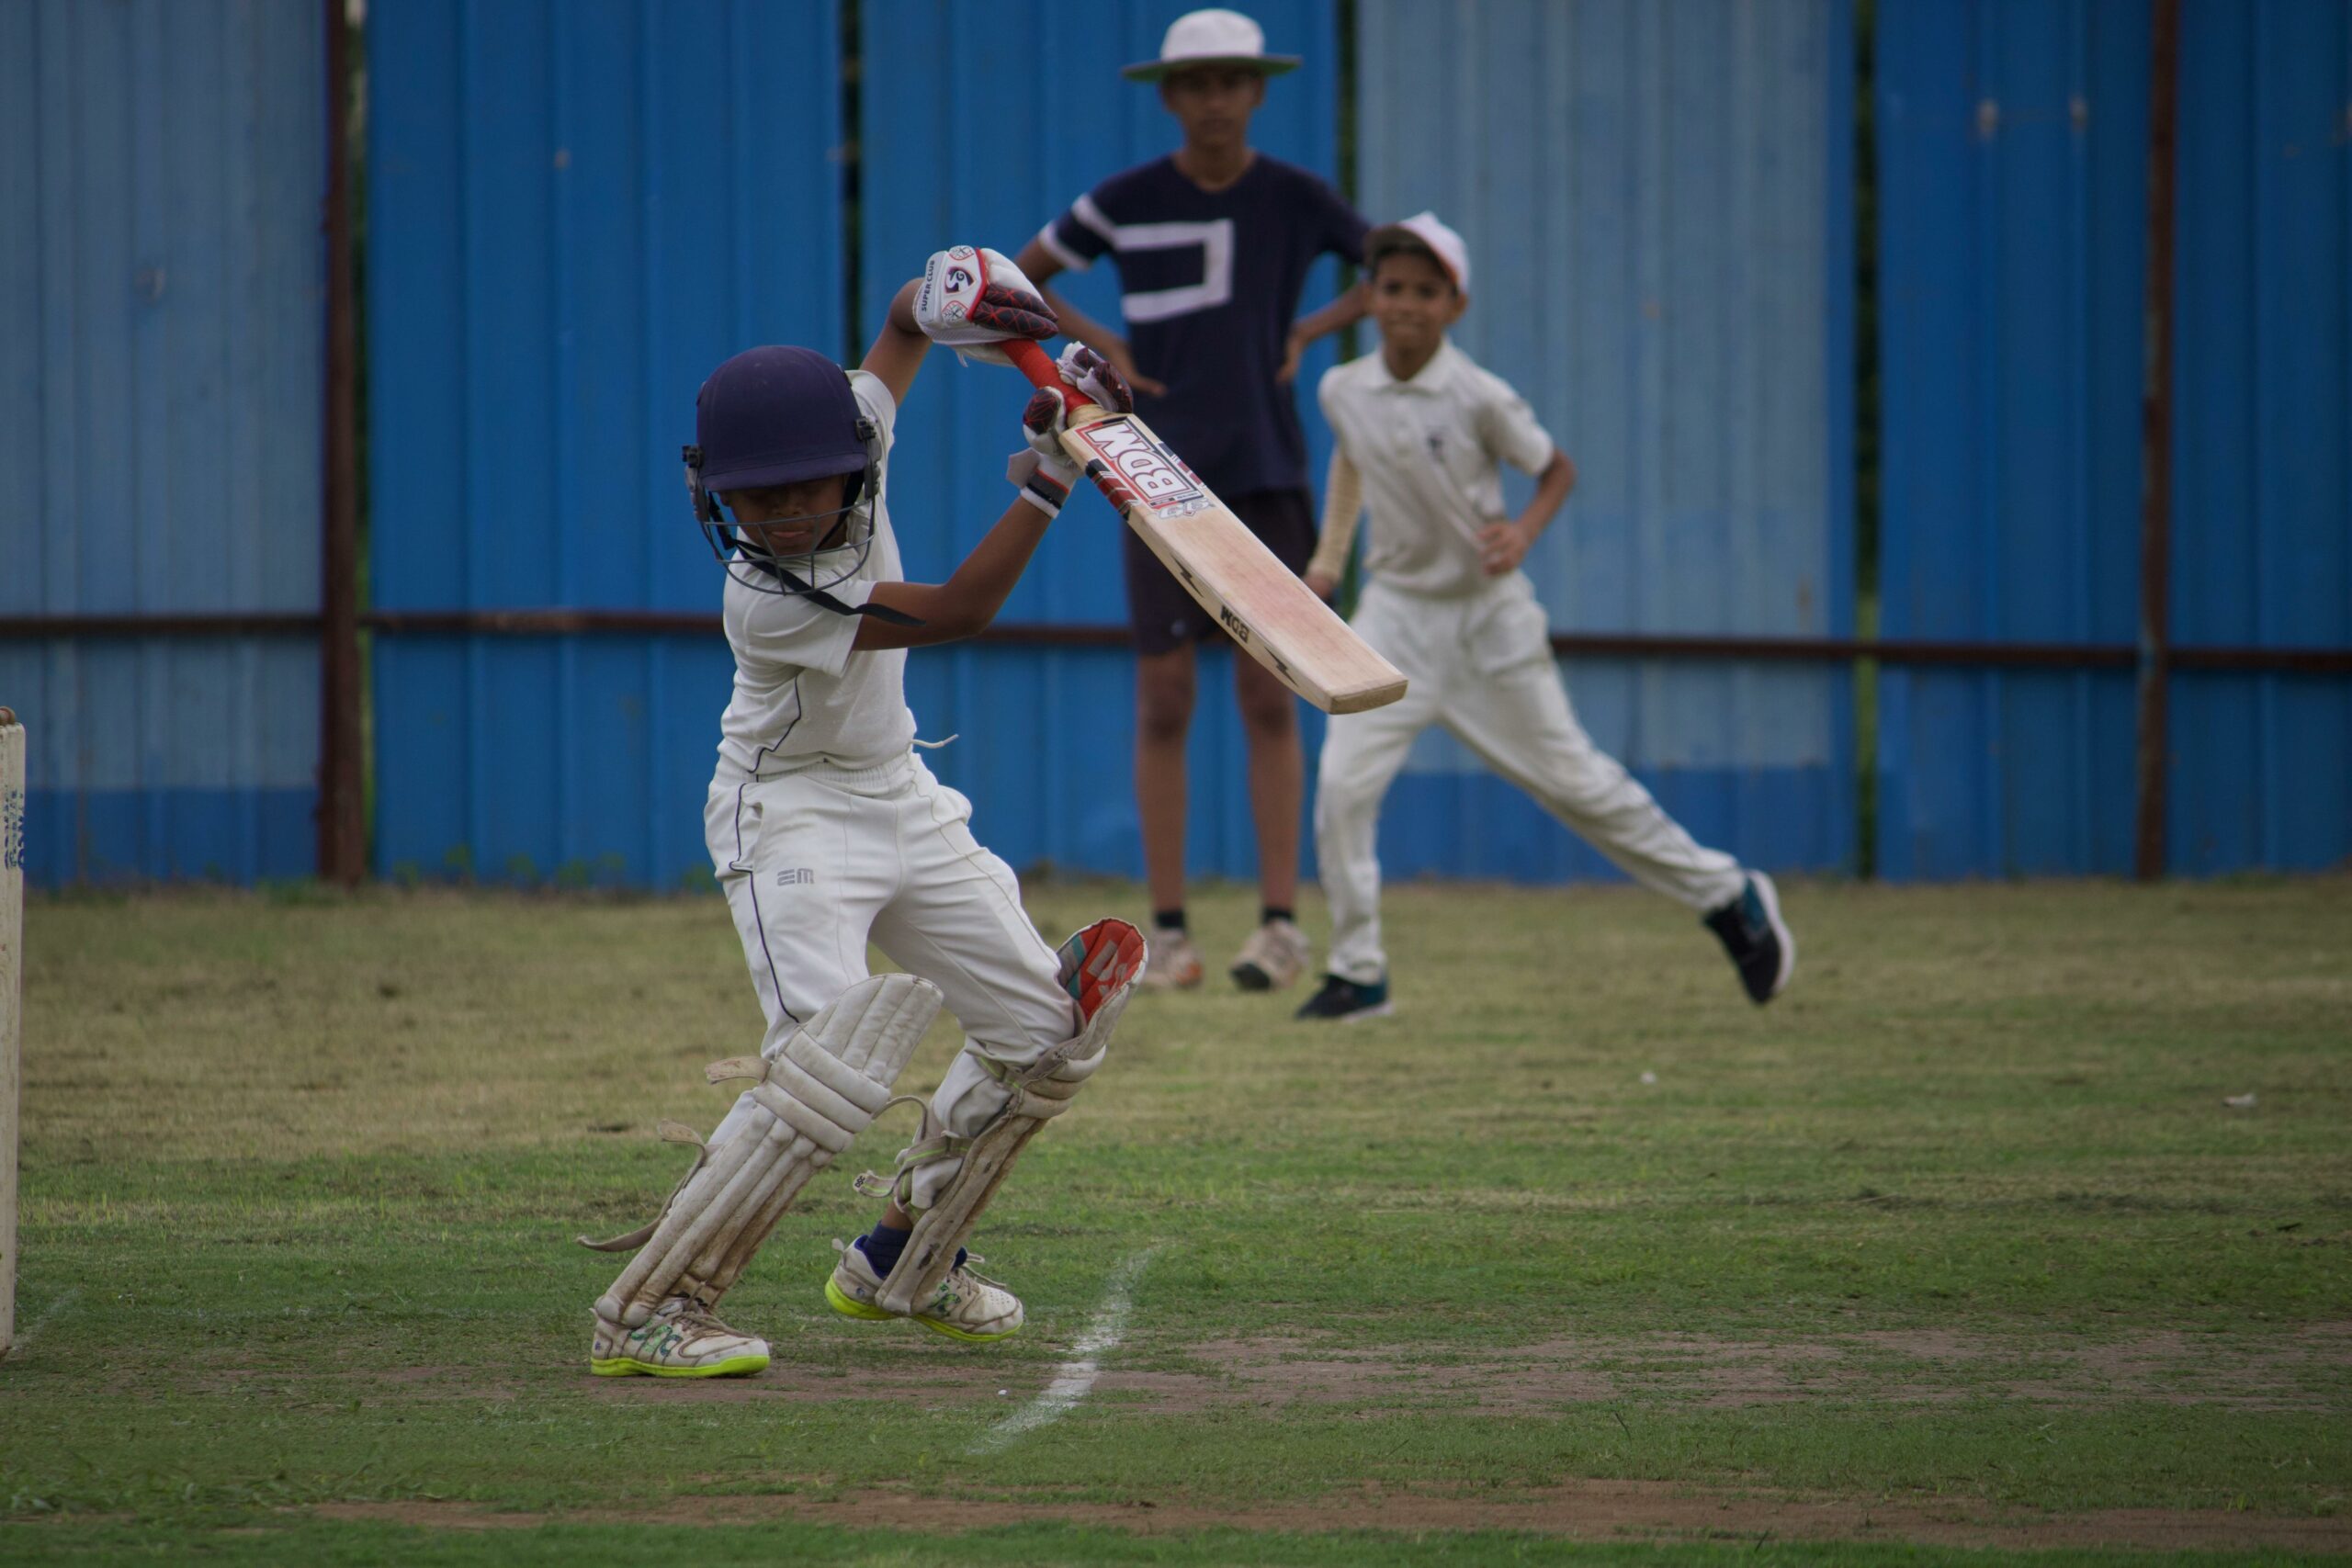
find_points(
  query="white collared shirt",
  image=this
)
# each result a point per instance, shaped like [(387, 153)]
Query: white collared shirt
[(802, 693), (1430, 450)]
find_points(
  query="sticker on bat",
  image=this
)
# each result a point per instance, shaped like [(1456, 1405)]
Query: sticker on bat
[(1156, 477)]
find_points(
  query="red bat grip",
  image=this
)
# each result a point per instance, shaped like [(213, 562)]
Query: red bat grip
[(1033, 362)]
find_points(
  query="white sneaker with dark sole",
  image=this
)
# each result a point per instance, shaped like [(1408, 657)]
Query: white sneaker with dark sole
[(1274, 958)]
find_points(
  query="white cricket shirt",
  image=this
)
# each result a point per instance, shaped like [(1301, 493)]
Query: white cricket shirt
[(801, 695), (1430, 450)]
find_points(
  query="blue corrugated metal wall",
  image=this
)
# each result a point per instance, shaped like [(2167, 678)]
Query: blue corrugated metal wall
[(576, 211), (161, 288), (990, 132), (1658, 200), (2261, 766), (2012, 158), (541, 308), (2012, 188)]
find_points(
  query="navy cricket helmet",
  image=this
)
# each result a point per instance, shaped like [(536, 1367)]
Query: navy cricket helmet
[(781, 416)]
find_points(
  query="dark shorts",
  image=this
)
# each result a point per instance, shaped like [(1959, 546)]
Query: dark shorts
[(1164, 616)]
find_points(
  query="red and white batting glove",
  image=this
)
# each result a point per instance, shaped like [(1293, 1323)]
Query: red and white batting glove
[(1092, 378), (1044, 471), (1041, 469), (973, 298)]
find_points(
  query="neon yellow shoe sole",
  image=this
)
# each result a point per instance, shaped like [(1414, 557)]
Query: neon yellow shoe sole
[(628, 1366), (841, 1301)]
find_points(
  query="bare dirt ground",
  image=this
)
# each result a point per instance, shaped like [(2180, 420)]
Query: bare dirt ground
[(2294, 1370), (1582, 1510), (2303, 1369)]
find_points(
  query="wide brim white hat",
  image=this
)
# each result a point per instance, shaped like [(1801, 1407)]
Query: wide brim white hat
[(1215, 36)]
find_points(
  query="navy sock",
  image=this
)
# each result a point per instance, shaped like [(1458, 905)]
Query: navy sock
[(883, 1244), (1168, 920), (1267, 913)]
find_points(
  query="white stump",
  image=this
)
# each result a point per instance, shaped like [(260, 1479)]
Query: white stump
[(12, 1002)]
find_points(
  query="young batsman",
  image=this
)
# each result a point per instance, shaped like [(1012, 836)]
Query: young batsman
[(1213, 244), (1421, 431), (827, 830)]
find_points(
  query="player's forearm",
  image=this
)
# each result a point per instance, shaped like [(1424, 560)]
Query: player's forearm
[(1342, 505), (980, 586), (1344, 312), (964, 604), (1552, 487), (902, 308), (1080, 327), (898, 348)]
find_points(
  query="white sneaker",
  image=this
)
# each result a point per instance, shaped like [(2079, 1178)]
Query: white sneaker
[(683, 1338), (1274, 958), (1173, 964), (966, 1307)]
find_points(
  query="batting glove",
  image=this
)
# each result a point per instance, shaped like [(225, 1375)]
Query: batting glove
[(1041, 469), (1091, 376), (973, 298)]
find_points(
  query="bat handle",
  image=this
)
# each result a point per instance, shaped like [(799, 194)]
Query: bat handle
[(1032, 362)]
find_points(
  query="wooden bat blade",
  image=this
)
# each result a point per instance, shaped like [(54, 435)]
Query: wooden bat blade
[(1260, 603)]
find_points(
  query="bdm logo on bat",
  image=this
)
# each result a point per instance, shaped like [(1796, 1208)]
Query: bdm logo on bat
[(1158, 477)]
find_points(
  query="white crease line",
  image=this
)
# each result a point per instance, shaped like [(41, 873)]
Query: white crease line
[(48, 1314), (1071, 1383)]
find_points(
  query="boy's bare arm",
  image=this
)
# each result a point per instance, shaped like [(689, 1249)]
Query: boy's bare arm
[(898, 348), (964, 604), (1352, 305), (1342, 504), (1040, 263), (1505, 545)]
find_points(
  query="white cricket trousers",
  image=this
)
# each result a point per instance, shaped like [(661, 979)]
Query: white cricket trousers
[(1481, 665), (815, 863)]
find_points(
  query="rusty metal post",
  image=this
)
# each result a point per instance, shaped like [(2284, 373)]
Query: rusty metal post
[(2155, 442), (343, 847)]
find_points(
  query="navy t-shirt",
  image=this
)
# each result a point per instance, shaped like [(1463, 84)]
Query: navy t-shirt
[(1209, 284)]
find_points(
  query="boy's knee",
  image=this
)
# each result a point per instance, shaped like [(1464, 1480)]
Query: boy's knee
[(1267, 710), (1164, 703)]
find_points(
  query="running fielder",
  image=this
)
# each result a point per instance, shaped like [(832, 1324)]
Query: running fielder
[(1421, 433), (827, 830)]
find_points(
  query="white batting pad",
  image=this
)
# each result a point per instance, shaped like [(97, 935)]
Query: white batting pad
[(816, 1094), (1099, 966)]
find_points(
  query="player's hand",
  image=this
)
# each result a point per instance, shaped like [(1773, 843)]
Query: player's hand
[(1094, 379), (1501, 547), (1322, 583), (1042, 471), (972, 298), (1123, 360), (1294, 347)]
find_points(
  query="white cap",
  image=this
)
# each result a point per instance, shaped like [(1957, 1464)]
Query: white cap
[(1215, 36), (1443, 241)]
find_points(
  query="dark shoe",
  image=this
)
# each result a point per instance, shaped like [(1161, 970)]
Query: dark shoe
[(1347, 1001), (1758, 941)]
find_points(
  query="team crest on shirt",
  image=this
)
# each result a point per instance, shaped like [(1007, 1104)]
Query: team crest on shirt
[(1136, 469)]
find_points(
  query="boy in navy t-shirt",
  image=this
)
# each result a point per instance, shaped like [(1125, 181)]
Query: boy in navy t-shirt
[(1213, 244)]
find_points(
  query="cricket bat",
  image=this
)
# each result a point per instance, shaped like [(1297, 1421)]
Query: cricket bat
[(1262, 606)]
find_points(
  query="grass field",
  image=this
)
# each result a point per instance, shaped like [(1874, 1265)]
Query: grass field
[(1955, 1249)]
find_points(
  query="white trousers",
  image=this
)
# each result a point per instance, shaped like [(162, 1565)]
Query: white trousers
[(816, 863), (1481, 665)]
